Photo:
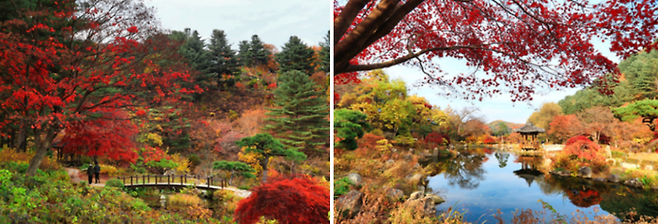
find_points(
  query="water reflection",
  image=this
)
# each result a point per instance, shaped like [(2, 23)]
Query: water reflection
[(502, 158), (481, 186), (464, 170)]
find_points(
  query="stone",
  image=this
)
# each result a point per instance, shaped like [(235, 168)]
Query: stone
[(355, 178), (407, 157), (635, 182), (415, 178), (350, 203), (394, 193), (411, 150), (390, 162), (394, 150), (416, 195), (416, 166), (600, 179), (614, 178), (585, 172), (435, 198)]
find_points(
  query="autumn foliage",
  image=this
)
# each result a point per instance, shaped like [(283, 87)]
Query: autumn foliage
[(583, 148), (437, 139), (297, 199)]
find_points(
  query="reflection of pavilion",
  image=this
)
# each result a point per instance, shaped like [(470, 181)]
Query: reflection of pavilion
[(529, 133), (528, 169)]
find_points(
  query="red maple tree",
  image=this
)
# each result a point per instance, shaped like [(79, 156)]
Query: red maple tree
[(519, 46), (298, 199), (67, 64)]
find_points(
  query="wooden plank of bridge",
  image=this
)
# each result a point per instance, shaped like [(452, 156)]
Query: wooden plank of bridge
[(143, 180), (131, 180)]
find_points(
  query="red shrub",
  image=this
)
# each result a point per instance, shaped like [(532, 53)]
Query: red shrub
[(438, 139), (299, 199), (576, 138), (490, 140), (584, 149)]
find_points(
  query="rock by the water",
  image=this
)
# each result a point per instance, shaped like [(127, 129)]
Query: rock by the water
[(614, 178), (355, 178), (416, 195), (416, 178), (416, 166), (435, 198), (600, 179), (635, 182), (350, 203), (585, 172), (394, 193)]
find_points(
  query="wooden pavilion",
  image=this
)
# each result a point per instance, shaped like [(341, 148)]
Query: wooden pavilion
[(529, 133)]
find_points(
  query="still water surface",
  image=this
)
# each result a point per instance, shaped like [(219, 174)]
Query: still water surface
[(478, 183)]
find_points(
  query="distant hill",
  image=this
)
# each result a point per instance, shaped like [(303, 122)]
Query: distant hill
[(493, 126)]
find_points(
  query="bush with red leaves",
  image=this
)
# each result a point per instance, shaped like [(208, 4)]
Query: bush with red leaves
[(576, 138), (297, 199), (438, 139)]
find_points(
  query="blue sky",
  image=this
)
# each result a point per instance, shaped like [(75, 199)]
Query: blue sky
[(497, 108), (273, 21)]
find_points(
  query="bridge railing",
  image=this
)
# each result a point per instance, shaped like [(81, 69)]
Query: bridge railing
[(172, 180)]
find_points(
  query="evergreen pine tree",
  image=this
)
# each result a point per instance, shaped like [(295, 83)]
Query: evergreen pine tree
[(224, 62), (244, 53), (300, 119), (324, 55), (257, 52), (295, 55), (197, 57)]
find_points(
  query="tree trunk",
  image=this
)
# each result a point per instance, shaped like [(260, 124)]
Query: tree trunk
[(230, 178), (22, 138), (263, 164), (42, 145)]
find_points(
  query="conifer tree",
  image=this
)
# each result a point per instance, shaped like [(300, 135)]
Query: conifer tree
[(295, 55), (223, 61), (197, 57), (244, 53), (324, 54), (257, 52), (300, 118)]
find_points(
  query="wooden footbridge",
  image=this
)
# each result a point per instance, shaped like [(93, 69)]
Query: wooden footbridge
[(172, 181)]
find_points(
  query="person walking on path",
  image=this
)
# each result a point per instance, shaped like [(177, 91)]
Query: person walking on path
[(97, 172), (90, 172)]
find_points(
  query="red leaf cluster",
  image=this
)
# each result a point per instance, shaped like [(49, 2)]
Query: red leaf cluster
[(293, 200), (437, 139), (575, 139)]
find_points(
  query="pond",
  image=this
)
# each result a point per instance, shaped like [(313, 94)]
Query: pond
[(481, 181)]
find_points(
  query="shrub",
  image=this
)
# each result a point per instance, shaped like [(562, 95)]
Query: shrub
[(281, 198), (437, 139), (116, 183), (109, 170), (341, 186), (184, 200), (576, 138)]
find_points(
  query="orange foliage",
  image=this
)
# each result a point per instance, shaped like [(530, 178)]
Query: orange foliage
[(367, 144), (251, 121), (298, 199)]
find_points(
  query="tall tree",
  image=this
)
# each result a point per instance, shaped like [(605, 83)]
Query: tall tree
[(192, 49), (256, 54), (58, 63), (545, 115), (300, 116), (647, 109), (296, 55), (597, 121), (518, 45), (266, 146), (223, 60), (325, 55), (563, 127), (243, 53)]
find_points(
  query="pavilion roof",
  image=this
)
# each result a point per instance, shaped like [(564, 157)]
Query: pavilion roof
[(528, 128)]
